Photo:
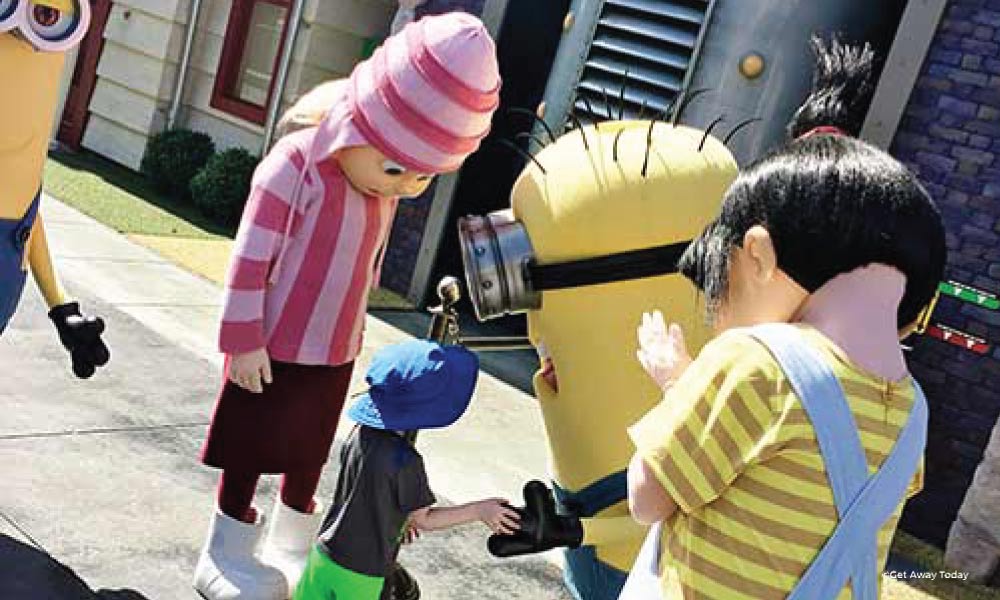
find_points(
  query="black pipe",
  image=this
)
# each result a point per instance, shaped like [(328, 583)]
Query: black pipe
[(496, 344)]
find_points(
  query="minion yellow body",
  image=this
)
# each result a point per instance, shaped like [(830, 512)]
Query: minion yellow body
[(588, 204), (34, 37), (27, 108)]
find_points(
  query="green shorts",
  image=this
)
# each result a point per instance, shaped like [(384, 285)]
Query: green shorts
[(324, 579)]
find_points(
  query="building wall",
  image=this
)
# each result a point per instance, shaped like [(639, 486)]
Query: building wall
[(137, 73), (950, 135), (330, 43), (227, 130)]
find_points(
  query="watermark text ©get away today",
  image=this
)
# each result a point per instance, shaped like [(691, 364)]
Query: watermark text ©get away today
[(931, 575)]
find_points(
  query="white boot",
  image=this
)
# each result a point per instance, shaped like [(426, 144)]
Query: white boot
[(291, 537), (228, 568)]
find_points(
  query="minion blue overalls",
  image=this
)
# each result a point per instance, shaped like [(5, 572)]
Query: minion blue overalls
[(14, 236)]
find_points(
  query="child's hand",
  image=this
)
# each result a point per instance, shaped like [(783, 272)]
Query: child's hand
[(662, 352), (410, 533), (498, 515), (250, 369)]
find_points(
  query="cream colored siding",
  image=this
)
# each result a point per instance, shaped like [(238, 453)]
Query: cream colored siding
[(108, 138), (129, 108), (137, 72), (227, 130), (332, 38)]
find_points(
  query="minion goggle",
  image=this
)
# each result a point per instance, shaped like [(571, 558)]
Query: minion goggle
[(504, 276), (48, 25)]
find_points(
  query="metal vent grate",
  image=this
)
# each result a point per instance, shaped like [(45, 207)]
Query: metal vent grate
[(654, 42)]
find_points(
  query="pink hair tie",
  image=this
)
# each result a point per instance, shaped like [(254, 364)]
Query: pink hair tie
[(827, 129)]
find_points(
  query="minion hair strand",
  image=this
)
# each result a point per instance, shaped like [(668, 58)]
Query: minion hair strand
[(732, 133), (708, 132), (524, 153), (649, 147), (524, 111), (621, 96), (607, 104), (688, 98), (530, 137), (579, 126), (642, 109), (590, 111), (614, 147)]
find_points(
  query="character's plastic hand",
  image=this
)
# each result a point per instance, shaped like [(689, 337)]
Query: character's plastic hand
[(542, 528), (82, 337), (498, 515), (662, 352), (250, 370)]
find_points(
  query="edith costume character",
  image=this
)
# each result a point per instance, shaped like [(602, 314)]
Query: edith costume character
[(780, 459), (307, 253), (34, 39), (601, 191), (382, 489)]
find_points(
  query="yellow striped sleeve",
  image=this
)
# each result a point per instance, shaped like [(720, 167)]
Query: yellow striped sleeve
[(712, 423), (917, 483)]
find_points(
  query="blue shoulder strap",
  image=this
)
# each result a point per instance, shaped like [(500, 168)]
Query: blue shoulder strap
[(863, 503), (824, 401)]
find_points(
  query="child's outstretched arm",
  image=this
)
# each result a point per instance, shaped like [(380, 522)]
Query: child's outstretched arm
[(495, 513)]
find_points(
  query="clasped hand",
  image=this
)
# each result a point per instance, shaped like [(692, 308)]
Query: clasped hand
[(662, 350)]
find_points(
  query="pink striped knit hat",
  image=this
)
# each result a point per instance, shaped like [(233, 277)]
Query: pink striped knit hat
[(426, 97)]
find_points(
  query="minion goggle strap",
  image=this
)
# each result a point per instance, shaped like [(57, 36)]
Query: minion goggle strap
[(48, 25), (504, 277)]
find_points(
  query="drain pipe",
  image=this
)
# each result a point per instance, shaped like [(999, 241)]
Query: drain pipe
[(185, 65), (274, 110)]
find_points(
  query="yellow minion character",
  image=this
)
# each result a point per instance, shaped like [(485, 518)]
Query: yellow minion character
[(599, 218), (34, 37)]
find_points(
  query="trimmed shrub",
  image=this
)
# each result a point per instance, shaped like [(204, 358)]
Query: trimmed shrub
[(220, 190), (174, 157)]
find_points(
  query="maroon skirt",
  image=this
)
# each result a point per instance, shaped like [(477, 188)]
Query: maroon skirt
[(289, 427)]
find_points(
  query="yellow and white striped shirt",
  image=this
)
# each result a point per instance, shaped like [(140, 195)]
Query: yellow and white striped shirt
[(734, 448)]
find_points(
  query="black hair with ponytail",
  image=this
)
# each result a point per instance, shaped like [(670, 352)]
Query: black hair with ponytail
[(830, 202)]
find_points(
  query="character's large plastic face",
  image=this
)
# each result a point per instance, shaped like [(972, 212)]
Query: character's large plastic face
[(373, 173), (47, 25), (507, 276)]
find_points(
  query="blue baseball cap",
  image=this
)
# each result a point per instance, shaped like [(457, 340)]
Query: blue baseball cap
[(417, 385)]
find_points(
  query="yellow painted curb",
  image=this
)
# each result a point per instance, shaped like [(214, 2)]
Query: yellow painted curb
[(210, 259)]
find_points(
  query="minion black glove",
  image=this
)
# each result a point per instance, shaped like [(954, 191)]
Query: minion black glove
[(82, 337)]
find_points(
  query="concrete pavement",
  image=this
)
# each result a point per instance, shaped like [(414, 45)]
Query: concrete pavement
[(103, 495)]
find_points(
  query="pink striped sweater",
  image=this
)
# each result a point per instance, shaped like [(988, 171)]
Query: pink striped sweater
[(313, 312)]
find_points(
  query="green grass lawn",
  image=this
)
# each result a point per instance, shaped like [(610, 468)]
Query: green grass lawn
[(125, 201), (931, 559)]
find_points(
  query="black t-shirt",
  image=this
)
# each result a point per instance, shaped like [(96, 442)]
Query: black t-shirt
[(382, 480)]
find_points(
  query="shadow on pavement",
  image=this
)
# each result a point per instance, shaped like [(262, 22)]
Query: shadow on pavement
[(120, 595), (27, 573)]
